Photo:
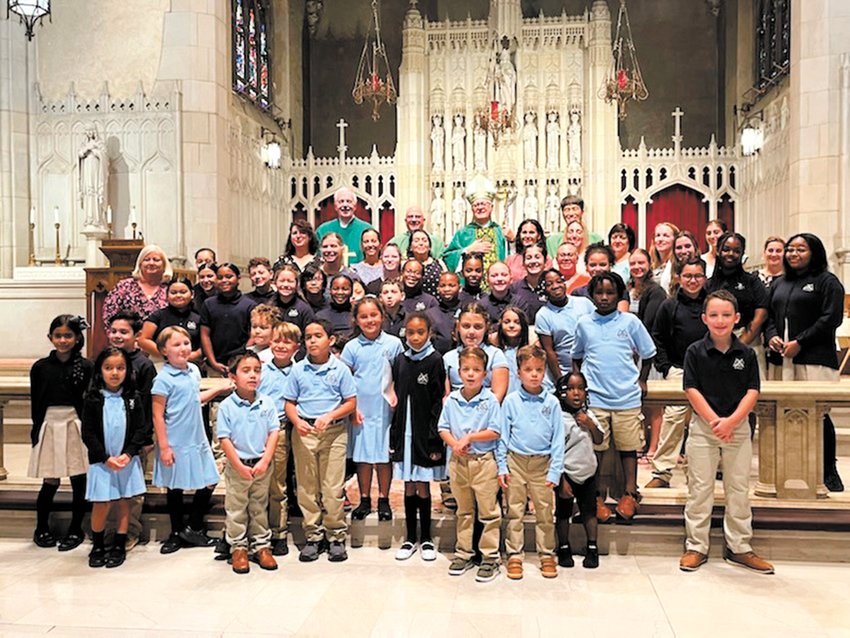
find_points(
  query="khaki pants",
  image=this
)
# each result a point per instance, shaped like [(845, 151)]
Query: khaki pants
[(528, 478), (246, 504), (475, 481), (278, 500), (320, 473), (704, 451), (672, 433)]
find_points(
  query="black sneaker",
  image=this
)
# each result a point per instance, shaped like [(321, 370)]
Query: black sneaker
[(565, 556), (337, 553), (591, 558), (115, 557), (44, 539), (171, 544), (222, 549), (363, 509), (280, 547), (195, 538), (385, 512), (97, 557), (310, 552), (71, 541)]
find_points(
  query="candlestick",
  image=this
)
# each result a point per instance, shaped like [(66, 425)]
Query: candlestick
[(109, 228), (31, 241), (58, 257), (32, 214), (133, 219), (133, 226)]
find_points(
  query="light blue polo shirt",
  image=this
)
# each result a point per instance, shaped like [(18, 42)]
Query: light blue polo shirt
[(560, 324), (607, 344), (273, 385), (451, 361), (319, 389), (481, 412), (532, 425), (182, 391), (247, 424)]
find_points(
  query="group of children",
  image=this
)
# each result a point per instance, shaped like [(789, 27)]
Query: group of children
[(404, 384)]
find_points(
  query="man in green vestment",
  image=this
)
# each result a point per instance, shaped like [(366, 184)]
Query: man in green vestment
[(483, 235), (346, 225), (572, 209), (414, 219)]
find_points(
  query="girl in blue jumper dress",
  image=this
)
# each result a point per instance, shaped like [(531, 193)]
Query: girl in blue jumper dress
[(184, 460), (114, 430), (369, 355), (415, 445)]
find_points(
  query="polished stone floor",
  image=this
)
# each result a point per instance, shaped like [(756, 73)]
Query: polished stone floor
[(189, 594)]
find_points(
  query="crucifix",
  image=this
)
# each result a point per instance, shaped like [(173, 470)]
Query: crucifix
[(342, 148), (677, 128)]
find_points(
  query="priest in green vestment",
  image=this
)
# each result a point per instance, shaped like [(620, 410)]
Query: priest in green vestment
[(346, 225), (572, 209), (483, 235)]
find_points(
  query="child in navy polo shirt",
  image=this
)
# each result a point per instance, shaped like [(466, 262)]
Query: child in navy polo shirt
[(286, 340), (293, 309), (721, 381), (225, 320), (180, 311), (260, 272), (470, 424), (606, 343), (248, 429), (531, 457), (444, 316), (391, 295), (472, 271), (320, 394)]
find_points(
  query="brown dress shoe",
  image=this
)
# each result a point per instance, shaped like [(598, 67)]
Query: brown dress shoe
[(750, 560), (265, 559), (514, 568), (548, 567), (657, 483), (603, 512), (692, 561), (626, 507), (239, 560)]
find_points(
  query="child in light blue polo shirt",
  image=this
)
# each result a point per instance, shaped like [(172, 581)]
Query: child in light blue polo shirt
[(470, 424), (320, 394), (606, 343), (248, 429), (286, 339), (531, 457)]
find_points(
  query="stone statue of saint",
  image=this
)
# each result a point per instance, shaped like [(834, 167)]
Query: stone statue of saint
[(530, 133), (458, 143), (93, 178), (574, 137), (553, 208), (479, 145), (553, 140), (530, 205), (438, 143), (458, 209), (438, 212), (506, 82)]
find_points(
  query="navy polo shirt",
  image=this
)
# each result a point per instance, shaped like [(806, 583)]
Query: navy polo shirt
[(443, 320), (297, 312), (529, 299), (187, 319), (747, 290), (723, 378), (229, 321)]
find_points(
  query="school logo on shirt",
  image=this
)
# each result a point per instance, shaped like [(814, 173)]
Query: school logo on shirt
[(809, 288), (330, 377), (738, 364), (191, 325), (420, 306), (546, 411), (482, 407), (292, 312), (131, 404), (457, 313), (422, 379), (739, 286), (622, 333)]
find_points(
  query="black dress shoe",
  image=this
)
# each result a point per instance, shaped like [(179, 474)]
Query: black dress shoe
[(71, 541), (194, 538), (115, 557), (97, 557), (44, 539), (171, 544), (280, 547)]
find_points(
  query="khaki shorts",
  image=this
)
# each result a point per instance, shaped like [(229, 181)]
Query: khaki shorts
[(625, 425)]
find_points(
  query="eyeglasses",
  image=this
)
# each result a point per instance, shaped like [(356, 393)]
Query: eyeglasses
[(690, 277)]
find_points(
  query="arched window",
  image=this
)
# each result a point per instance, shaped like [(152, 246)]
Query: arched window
[(250, 32), (773, 40)]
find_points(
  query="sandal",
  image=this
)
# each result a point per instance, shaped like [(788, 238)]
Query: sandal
[(44, 539)]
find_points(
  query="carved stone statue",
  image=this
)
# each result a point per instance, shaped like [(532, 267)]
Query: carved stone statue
[(553, 208), (438, 143), (458, 209), (530, 133), (574, 138), (530, 205), (506, 82), (479, 145), (437, 212), (93, 178), (553, 141), (458, 143)]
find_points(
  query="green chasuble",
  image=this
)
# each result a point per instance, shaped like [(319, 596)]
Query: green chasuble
[(468, 234), (555, 240), (402, 240), (350, 236)]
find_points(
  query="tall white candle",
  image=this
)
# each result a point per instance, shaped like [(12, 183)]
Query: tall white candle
[(32, 214), (133, 219), (55, 214), (109, 214)]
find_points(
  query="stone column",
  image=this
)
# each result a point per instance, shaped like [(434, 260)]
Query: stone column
[(413, 121), (599, 122)]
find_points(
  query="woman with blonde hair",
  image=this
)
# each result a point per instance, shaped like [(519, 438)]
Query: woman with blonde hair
[(661, 253), (145, 290)]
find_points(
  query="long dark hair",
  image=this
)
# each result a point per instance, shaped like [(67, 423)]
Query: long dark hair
[(502, 338), (128, 388), (817, 264), (307, 229), (541, 236)]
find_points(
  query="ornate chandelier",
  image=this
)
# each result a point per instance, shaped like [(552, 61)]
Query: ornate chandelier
[(625, 81), (498, 115), (29, 11), (374, 82)]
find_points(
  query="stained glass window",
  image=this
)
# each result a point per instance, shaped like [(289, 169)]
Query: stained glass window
[(773, 40), (251, 50)]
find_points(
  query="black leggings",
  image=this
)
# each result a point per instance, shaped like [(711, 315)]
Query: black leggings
[(44, 504), (200, 505), (583, 493)]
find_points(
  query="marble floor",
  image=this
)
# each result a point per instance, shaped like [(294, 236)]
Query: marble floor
[(190, 594)]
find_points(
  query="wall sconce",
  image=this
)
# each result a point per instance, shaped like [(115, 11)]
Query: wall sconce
[(30, 12), (270, 149), (752, 135)]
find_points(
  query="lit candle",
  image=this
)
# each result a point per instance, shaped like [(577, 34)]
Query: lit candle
[(133, 215), (56, 215), (109, 215), (32, 214)]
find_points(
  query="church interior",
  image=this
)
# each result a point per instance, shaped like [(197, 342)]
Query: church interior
[(192, 124)]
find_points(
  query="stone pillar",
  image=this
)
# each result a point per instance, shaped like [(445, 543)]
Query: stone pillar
[(599, 122), (16, 80), (413, 122), (820, 34), (506, 18)]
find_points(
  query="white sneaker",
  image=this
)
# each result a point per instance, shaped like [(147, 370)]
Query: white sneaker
[(428, 551), (406, 550)]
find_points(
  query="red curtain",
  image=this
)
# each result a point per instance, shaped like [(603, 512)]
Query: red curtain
[(678, 205), (386, 221), (386, 224), (629, 215), (726, 212)]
